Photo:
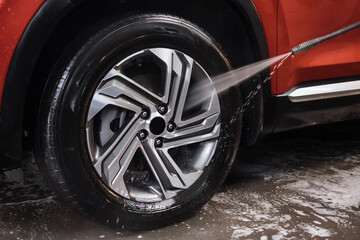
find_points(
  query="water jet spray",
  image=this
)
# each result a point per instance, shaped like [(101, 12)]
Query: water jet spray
[(225, 81)]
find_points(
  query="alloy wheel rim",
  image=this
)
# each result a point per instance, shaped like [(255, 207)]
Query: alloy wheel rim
[(147, 139)]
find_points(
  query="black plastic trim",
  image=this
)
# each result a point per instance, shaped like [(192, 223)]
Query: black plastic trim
[(256, 118), (293, 115)]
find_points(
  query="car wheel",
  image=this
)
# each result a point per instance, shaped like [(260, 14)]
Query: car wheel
[(131, 129)]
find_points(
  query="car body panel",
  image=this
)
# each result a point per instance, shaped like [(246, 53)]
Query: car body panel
[(267, 10), (303, 20), (15, 16)]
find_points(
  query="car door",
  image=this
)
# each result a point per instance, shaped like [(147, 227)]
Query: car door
[(302, 20)]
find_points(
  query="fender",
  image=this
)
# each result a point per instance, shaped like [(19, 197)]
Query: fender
[(21, 68), (37, 33)]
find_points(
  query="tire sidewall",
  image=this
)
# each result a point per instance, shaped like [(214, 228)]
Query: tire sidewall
[(79, 72)]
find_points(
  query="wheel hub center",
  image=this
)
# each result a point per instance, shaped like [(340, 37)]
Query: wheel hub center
[(157, 125)]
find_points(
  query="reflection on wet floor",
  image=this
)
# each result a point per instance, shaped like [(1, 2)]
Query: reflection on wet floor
[(297, 185)]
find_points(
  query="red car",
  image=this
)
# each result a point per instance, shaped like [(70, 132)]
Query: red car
[(107, 89)]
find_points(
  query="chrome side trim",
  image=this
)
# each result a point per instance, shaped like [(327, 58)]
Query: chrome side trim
[(325, 91)]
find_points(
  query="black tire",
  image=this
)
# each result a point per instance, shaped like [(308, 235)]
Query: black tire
[(63, 153)]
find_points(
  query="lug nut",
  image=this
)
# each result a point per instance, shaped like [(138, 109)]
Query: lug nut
[(144, 114), (162, 109), (171, 126), (158, 142), (142, 135)]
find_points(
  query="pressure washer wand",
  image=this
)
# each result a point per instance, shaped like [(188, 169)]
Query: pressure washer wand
[(314, 42)]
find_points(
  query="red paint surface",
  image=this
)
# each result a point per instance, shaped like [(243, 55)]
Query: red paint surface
[(302, 20), (267, 10), (14, 18), (286, 24)]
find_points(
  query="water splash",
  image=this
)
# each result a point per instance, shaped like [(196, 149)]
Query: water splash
[(232, 78), (225, 81)]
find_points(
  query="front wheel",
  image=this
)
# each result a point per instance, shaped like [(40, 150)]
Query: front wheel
[(131, 128)]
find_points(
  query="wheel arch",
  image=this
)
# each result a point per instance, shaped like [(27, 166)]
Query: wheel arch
[(56, 17)]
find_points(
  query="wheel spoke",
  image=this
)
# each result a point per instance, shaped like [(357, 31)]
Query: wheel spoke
[(118, 183), (174, 79), (192, 135), (117, 84), (107, 164), (187, 178), (100, 101), (173, 72), (168, 174), (180, 93), (211, 110), (197, 125)]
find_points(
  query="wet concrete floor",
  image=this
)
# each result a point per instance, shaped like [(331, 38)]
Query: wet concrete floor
[(297, 185)]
